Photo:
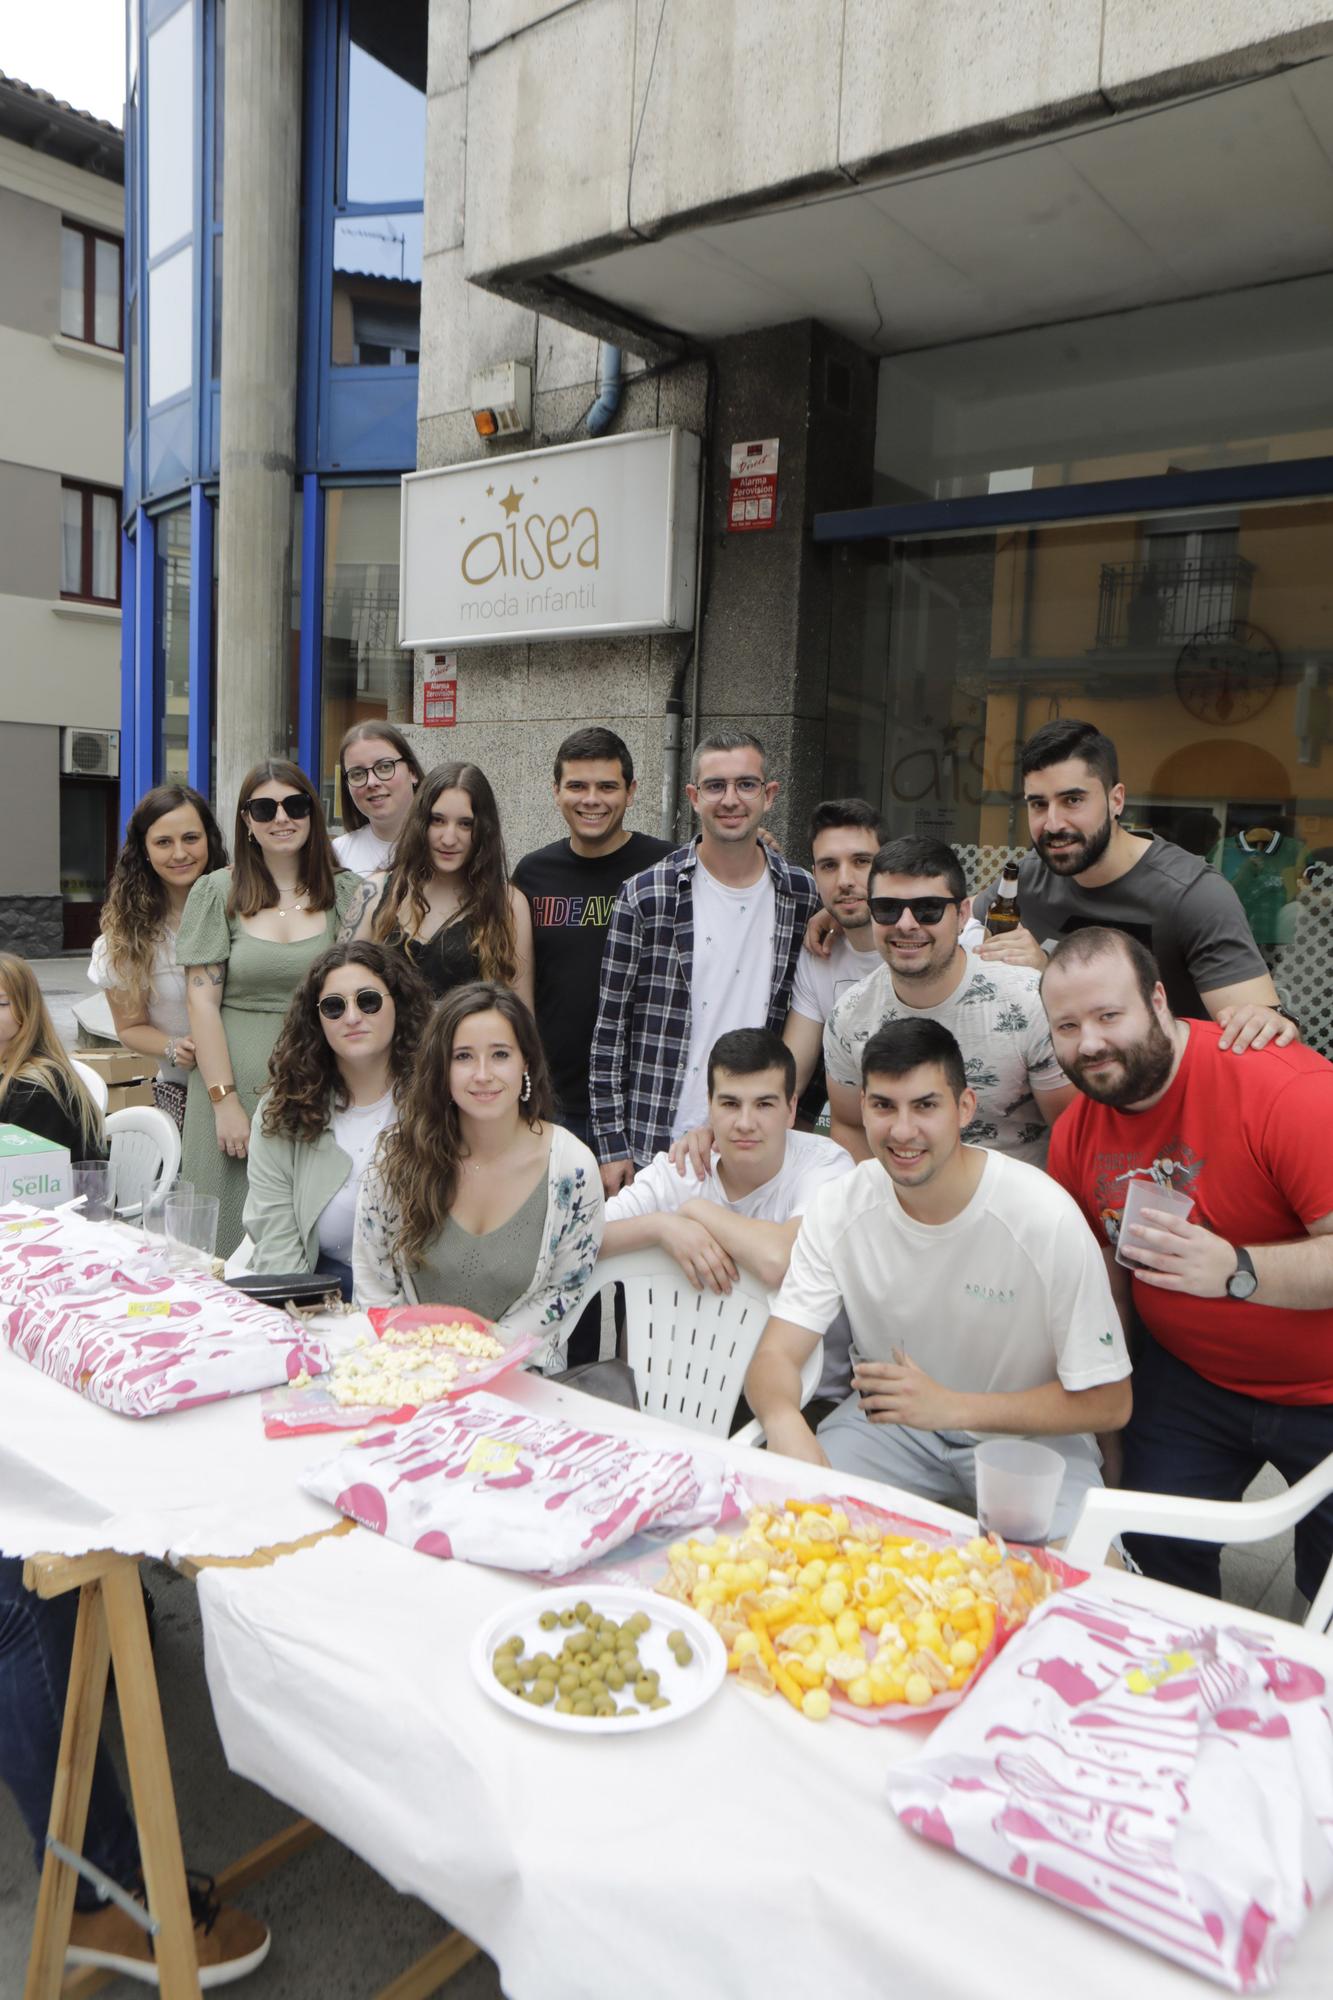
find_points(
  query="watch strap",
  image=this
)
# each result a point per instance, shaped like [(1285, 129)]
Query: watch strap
[(218, 1092), (1244, 1280)]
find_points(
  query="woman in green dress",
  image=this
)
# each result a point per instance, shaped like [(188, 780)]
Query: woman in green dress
[(248, 936)]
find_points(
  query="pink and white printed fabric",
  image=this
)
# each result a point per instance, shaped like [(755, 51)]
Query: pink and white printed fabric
[(494, 1484), (101, 1313), (1174, 1783)]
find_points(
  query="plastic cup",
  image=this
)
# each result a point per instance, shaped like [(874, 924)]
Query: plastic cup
[(95, 1181), (1018, 1486), (1141, 1194), (191, 1229), (155, 1206)]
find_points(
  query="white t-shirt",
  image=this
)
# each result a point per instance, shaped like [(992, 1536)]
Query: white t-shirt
[(167, 1010), (731, 977), (357, 1131), (1010, 1294), (996, 1017), (363, 851), (809, 1164), (821, 982)]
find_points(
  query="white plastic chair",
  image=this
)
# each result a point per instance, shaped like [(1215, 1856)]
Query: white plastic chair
[(1107, 1511), (145, 1155), (689, 1350), (93, 1082)]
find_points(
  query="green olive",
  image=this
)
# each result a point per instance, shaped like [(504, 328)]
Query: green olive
[(568, 1682), (567, 1618), (644, 1689), (675, 1639), (683, 1653), (549, 1620), (615, 1677), (583, 1610), (659, 1701), (543, 1691), (583, 1706), (564, 1707)]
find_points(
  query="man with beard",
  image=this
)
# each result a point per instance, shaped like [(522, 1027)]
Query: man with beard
[(845, 836), (1086, 869), (1235, 1366), (918, 906)]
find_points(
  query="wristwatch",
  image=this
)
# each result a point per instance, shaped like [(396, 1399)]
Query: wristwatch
[(1287, 1015), (1244, 1280), (217, 1091)]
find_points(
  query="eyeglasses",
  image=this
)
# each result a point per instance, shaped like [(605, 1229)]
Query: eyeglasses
[(926, 910), (717, 788), (383, 768), (368, 1001), (296, 805)]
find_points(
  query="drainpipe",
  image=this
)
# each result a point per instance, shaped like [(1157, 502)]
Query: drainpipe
[(609, 384), (675, 701)]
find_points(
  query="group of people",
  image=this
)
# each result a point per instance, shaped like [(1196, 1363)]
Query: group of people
[(403, 1066)]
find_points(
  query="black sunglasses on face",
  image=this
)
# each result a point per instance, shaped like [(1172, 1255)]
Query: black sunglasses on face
[(926, 910), (368, 1001), (296, 805)]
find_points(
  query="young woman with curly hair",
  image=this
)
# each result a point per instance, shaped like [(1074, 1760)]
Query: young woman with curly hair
[(380, 773), (476, 1197), (448, 902), (339, 1075), (249, 934), (171, 840), (39, 1088)]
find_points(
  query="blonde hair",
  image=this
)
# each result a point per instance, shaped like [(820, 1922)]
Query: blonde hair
[(35, 1054)]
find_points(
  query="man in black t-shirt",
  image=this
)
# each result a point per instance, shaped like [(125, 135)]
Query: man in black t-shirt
[(571, 887)]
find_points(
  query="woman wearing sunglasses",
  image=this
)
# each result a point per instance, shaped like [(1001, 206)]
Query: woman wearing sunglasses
[(171, 840), (380, 775), (449, 904), (338, 1076), (248, 936), (476, 1196)]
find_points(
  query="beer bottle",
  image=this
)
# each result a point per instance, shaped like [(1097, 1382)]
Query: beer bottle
[(1003, 914)]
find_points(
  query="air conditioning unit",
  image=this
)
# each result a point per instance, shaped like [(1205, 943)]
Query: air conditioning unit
[(90, 753)]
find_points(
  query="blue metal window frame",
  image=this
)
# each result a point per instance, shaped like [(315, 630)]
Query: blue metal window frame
[(310, 655), (1288, 479), (199, 752)]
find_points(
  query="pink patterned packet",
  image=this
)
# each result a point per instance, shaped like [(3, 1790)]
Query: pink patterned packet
[(1171, 1781), (490, 1483)]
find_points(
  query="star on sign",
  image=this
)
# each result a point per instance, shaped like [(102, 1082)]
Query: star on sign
[(490, 490), (512, 502)]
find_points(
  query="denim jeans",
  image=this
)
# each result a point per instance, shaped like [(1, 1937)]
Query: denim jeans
[(1189, 1436), (36, 1643)]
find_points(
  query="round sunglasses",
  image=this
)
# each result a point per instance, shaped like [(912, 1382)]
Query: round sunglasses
[(368, 1001), (296, 805)]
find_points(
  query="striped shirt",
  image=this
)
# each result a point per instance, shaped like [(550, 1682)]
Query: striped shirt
[(642, 1034)]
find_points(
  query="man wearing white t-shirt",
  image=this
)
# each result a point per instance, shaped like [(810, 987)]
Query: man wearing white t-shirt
[(977, 1296)]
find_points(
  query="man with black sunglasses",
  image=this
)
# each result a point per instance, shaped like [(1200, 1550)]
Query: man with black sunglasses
[(918, 907)]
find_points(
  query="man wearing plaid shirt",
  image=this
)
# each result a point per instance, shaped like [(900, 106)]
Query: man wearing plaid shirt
[(704, 941)]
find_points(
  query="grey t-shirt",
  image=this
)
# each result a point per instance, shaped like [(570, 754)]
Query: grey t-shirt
[(1189, 917)]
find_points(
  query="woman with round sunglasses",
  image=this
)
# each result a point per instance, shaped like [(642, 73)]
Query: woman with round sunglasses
[(171, 840), (249, 934), (448, 904), (340, 1071), (380, 775), (476, 1196)]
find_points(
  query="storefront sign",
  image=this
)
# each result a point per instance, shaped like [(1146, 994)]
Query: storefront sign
[(580, 540), (439, 692), (752, 497)]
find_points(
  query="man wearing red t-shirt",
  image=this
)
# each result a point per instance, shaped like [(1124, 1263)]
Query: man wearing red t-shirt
[(1236, 1300)]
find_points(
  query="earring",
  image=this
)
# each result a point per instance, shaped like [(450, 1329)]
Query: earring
[(526, 1091)]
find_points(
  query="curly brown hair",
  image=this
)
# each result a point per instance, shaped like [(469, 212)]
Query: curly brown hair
[(135, 910), (252, 887), (419, 1156), (305, 1084), (486, 906)]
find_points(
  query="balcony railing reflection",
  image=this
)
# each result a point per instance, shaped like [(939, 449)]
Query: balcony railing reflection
[(1144, 604)]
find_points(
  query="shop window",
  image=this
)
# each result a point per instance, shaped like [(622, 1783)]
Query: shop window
[(366, 677), (376, 318), (91, 282), (172, 608), (89, 544), (170, 326)]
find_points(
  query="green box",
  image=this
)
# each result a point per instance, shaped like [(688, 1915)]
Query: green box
[(33, 1169)]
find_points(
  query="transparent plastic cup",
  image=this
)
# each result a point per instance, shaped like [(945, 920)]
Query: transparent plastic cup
[(192, 1229), (1018, 1487), (95, 1180), (1141, 1194), (155, 1206)]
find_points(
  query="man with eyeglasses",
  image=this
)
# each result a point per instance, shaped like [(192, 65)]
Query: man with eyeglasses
[(704, 941), (918, 907)]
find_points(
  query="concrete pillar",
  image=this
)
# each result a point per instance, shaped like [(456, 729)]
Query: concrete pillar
[(260, 294)]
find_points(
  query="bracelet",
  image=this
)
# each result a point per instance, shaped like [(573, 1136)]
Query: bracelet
[(169, 1053)]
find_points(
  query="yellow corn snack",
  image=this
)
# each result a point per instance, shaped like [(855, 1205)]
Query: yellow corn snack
[(879, 1619)]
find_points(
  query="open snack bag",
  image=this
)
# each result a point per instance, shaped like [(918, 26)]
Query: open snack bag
[(1173, 1783)]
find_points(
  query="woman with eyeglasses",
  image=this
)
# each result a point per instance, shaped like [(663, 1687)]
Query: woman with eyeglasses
[(380, 774), (448, 903), (339, 1073), (476, 1196), (40, 1091), (248, 936), (171, 840)]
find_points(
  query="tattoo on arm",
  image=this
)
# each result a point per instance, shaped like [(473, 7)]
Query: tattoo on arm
[(356, 909), (208, 975)]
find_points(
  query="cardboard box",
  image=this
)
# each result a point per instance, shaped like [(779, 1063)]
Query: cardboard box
[(33, 1169), (127, 1075)]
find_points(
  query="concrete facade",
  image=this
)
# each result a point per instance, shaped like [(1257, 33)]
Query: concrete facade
[(61, 419)]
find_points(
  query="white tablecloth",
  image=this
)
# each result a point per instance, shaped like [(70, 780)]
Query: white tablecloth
[(742, 1852)]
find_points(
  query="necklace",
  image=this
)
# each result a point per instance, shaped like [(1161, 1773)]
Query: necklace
[(296, 910)]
